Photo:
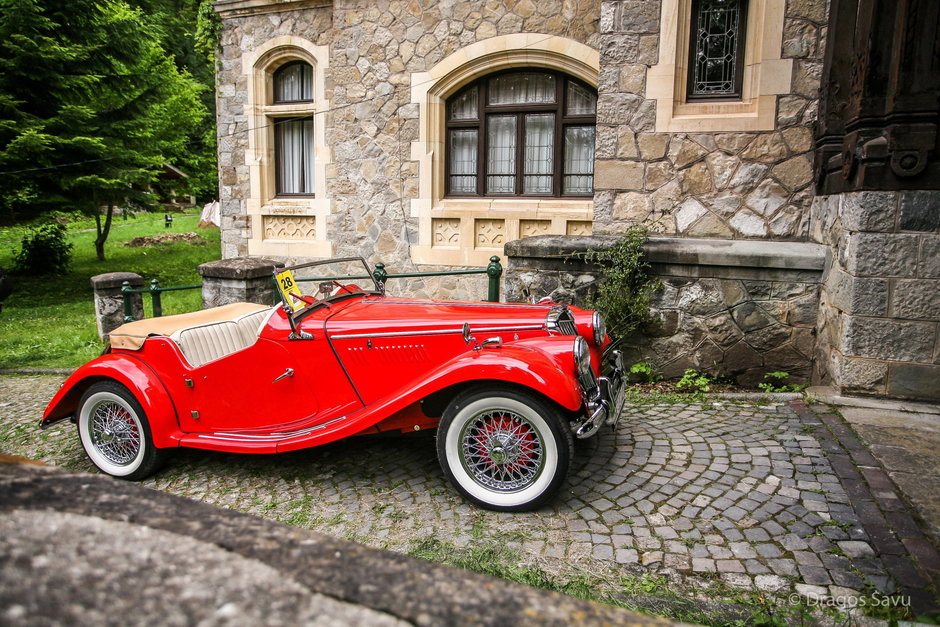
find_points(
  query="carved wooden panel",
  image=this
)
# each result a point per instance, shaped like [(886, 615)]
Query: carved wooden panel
[(879, 108), (446, 231), (290, 227), (579, 227), (489, 233), (528, 228)]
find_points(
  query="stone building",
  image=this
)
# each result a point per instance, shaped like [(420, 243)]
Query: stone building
[(431, 134)]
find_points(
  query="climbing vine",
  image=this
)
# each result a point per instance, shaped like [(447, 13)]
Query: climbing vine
[(624, 293)]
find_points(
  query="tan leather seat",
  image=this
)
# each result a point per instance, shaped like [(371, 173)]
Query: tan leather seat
[(207, 342)]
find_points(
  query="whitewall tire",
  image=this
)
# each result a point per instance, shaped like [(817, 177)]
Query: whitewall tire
[(504, 449), (115, 433)]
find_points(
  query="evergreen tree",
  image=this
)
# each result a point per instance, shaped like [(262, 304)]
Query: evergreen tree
[(91, 107)]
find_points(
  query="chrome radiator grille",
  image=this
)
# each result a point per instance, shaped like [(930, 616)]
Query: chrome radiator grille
[(560, 319)]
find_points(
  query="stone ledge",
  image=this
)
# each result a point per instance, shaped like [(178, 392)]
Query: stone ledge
[(241, 8), (239, 268), (390, 584), (110, 280), (684, 251)]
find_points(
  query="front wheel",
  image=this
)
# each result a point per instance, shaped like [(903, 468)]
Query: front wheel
[(115, 433), (504, 450)]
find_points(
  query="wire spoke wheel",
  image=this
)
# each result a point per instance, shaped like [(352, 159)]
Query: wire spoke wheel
[(504, 449), (115, 433)]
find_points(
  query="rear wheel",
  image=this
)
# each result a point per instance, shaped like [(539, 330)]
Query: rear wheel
[(115, 433), (503, 449)]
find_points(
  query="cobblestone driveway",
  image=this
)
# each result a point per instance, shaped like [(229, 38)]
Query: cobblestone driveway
[(742, 493)]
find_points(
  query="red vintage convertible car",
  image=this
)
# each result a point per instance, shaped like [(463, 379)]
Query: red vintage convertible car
[(506, 385)]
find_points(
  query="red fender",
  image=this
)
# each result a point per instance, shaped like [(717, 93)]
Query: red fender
[(131, 372), (537, 364), (545, 365)]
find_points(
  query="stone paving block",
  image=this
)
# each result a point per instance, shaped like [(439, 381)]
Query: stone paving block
[(703, 565), (815, 575), (854, 548), (783, 567), (847, 579), (668, 471), (903, 571), (729, 566), (770, 583)]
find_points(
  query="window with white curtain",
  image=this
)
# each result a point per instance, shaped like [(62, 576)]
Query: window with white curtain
[(293, 134), (521, 133)]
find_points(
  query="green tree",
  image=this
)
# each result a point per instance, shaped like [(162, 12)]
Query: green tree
[(189, 33), (91, 106)]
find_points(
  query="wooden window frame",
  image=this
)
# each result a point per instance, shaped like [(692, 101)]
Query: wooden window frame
[(485, 110)]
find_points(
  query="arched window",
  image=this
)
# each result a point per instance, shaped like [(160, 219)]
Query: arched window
[(521, 133), (293, 134), (293, 82)]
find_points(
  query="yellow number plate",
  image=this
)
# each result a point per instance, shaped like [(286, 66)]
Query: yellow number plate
[(290, 290)]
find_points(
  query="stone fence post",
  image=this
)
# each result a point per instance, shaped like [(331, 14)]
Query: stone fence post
[(238, 280), (109, 303)]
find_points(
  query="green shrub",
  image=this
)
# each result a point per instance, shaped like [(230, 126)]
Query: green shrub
[(694, 381), (644, 371), (775, 382), (45, 250), (624, 294)]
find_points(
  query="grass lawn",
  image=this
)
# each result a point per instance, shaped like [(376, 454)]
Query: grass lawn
[(49, 322)]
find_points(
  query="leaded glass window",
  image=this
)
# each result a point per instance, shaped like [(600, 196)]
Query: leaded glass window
[(716, 60), (521, 133)]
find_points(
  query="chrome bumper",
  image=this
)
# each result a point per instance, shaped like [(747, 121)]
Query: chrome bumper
[(606, 404)]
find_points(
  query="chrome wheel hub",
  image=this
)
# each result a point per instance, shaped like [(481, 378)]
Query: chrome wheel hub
[(115, 433), (502, 451)]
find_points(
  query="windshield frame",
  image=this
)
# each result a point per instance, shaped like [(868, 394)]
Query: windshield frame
[(341, 295)]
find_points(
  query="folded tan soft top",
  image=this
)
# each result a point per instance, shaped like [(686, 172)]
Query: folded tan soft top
[(131, 335)]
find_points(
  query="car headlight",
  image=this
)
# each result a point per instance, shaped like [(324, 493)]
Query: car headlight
[(582, 361), (599, 326)]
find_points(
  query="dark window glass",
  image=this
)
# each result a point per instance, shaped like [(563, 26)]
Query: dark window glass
[(293, 148), (293, 82), (521, 133), (716, 52)]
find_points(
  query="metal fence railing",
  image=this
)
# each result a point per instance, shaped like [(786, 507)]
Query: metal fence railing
[(493, 271), (155, 292)]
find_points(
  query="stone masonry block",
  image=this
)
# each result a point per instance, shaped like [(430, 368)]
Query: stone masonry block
[(639, 16), (881, 338), (627, 175), (917, 299), (859, 375), (880, 255), (859, 296), (920, 381), (920, 211), (929, 263), (869, 211)]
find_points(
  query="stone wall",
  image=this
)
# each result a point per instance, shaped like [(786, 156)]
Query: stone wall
[(374, 49), (736, 309), (719, 182), (880, 303)]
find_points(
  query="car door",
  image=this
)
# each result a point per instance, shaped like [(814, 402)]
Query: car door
[(260, 387)]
